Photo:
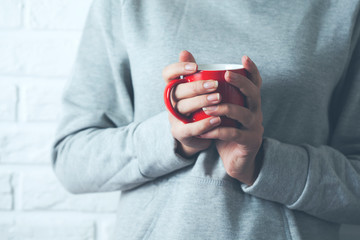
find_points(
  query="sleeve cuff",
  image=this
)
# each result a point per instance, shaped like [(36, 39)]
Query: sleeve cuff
[(283, 174), (156, 146)]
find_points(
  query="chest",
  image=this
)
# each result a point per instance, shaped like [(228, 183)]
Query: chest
[(300, 47)]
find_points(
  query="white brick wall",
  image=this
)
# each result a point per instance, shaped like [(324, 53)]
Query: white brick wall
[(10, 13), (38, 42), (6, 191), (8, 100)]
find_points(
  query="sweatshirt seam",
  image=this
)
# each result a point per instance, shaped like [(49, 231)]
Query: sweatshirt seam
[(223, 183), (293, 204), (286, 223)]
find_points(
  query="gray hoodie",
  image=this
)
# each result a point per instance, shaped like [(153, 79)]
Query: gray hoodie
[(115, 135)]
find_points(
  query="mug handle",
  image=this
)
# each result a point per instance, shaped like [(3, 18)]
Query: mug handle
[(167, 99)]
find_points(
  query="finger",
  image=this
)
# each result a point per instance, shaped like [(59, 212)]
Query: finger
[(246, 87), (253, 72), (192, 89), (236, 112), (182, 131), (190, 105), (187, 66), (186, 56), (176, 70)]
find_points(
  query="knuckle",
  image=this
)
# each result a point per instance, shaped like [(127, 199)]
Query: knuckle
[(216, 133), (204, 126), (180, 107), (182, 132), (255, 108), (221, 110), (165, 72), (187, 134), (234, 134), (194, 87), (199, 86), (248, 119), (226, 109), (174, 132), (254, 89), (178, 130), (187, 131), (184, 107)]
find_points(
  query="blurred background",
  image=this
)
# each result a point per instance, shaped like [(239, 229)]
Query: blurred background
[(38, 44)]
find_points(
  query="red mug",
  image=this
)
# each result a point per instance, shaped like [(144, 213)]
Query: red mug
[(229, 93)]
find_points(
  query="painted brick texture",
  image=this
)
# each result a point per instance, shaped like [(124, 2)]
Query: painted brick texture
[(38, 45)]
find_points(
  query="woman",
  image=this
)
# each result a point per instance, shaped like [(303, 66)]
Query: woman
[(291, 172)]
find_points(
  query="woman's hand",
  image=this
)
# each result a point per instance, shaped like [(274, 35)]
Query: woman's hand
[(239, 148), (187, 98)]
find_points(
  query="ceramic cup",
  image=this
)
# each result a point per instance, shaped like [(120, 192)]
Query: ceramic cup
[(229, 93)]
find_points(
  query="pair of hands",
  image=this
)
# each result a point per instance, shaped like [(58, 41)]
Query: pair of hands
[(239, 149)]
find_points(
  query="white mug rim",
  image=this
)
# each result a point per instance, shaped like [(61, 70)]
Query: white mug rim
[(219, 67)]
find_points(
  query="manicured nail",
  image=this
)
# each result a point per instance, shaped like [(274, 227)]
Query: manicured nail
[(211, 84), (210, 109), (190, 66), (213, 97), (215, 120)]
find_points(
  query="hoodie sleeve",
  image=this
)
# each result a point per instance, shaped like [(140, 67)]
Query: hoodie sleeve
[(322, 181), (98, 146)]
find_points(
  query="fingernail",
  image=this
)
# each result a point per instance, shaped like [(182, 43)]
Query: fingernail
[(211, 84), (215, 120), (210, 109), (228, 74), (214, 97), (248, 59), (190, 66)]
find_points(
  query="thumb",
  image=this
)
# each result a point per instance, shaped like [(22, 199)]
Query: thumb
[(186, 56), (253, 72)]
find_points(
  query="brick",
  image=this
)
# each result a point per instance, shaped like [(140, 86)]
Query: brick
[(58, 14), (6, 192), (45, 226), (42, 191), (38, 54), (29, 144), (10, 13), (42, 101), (6, 228), (8, 102)]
